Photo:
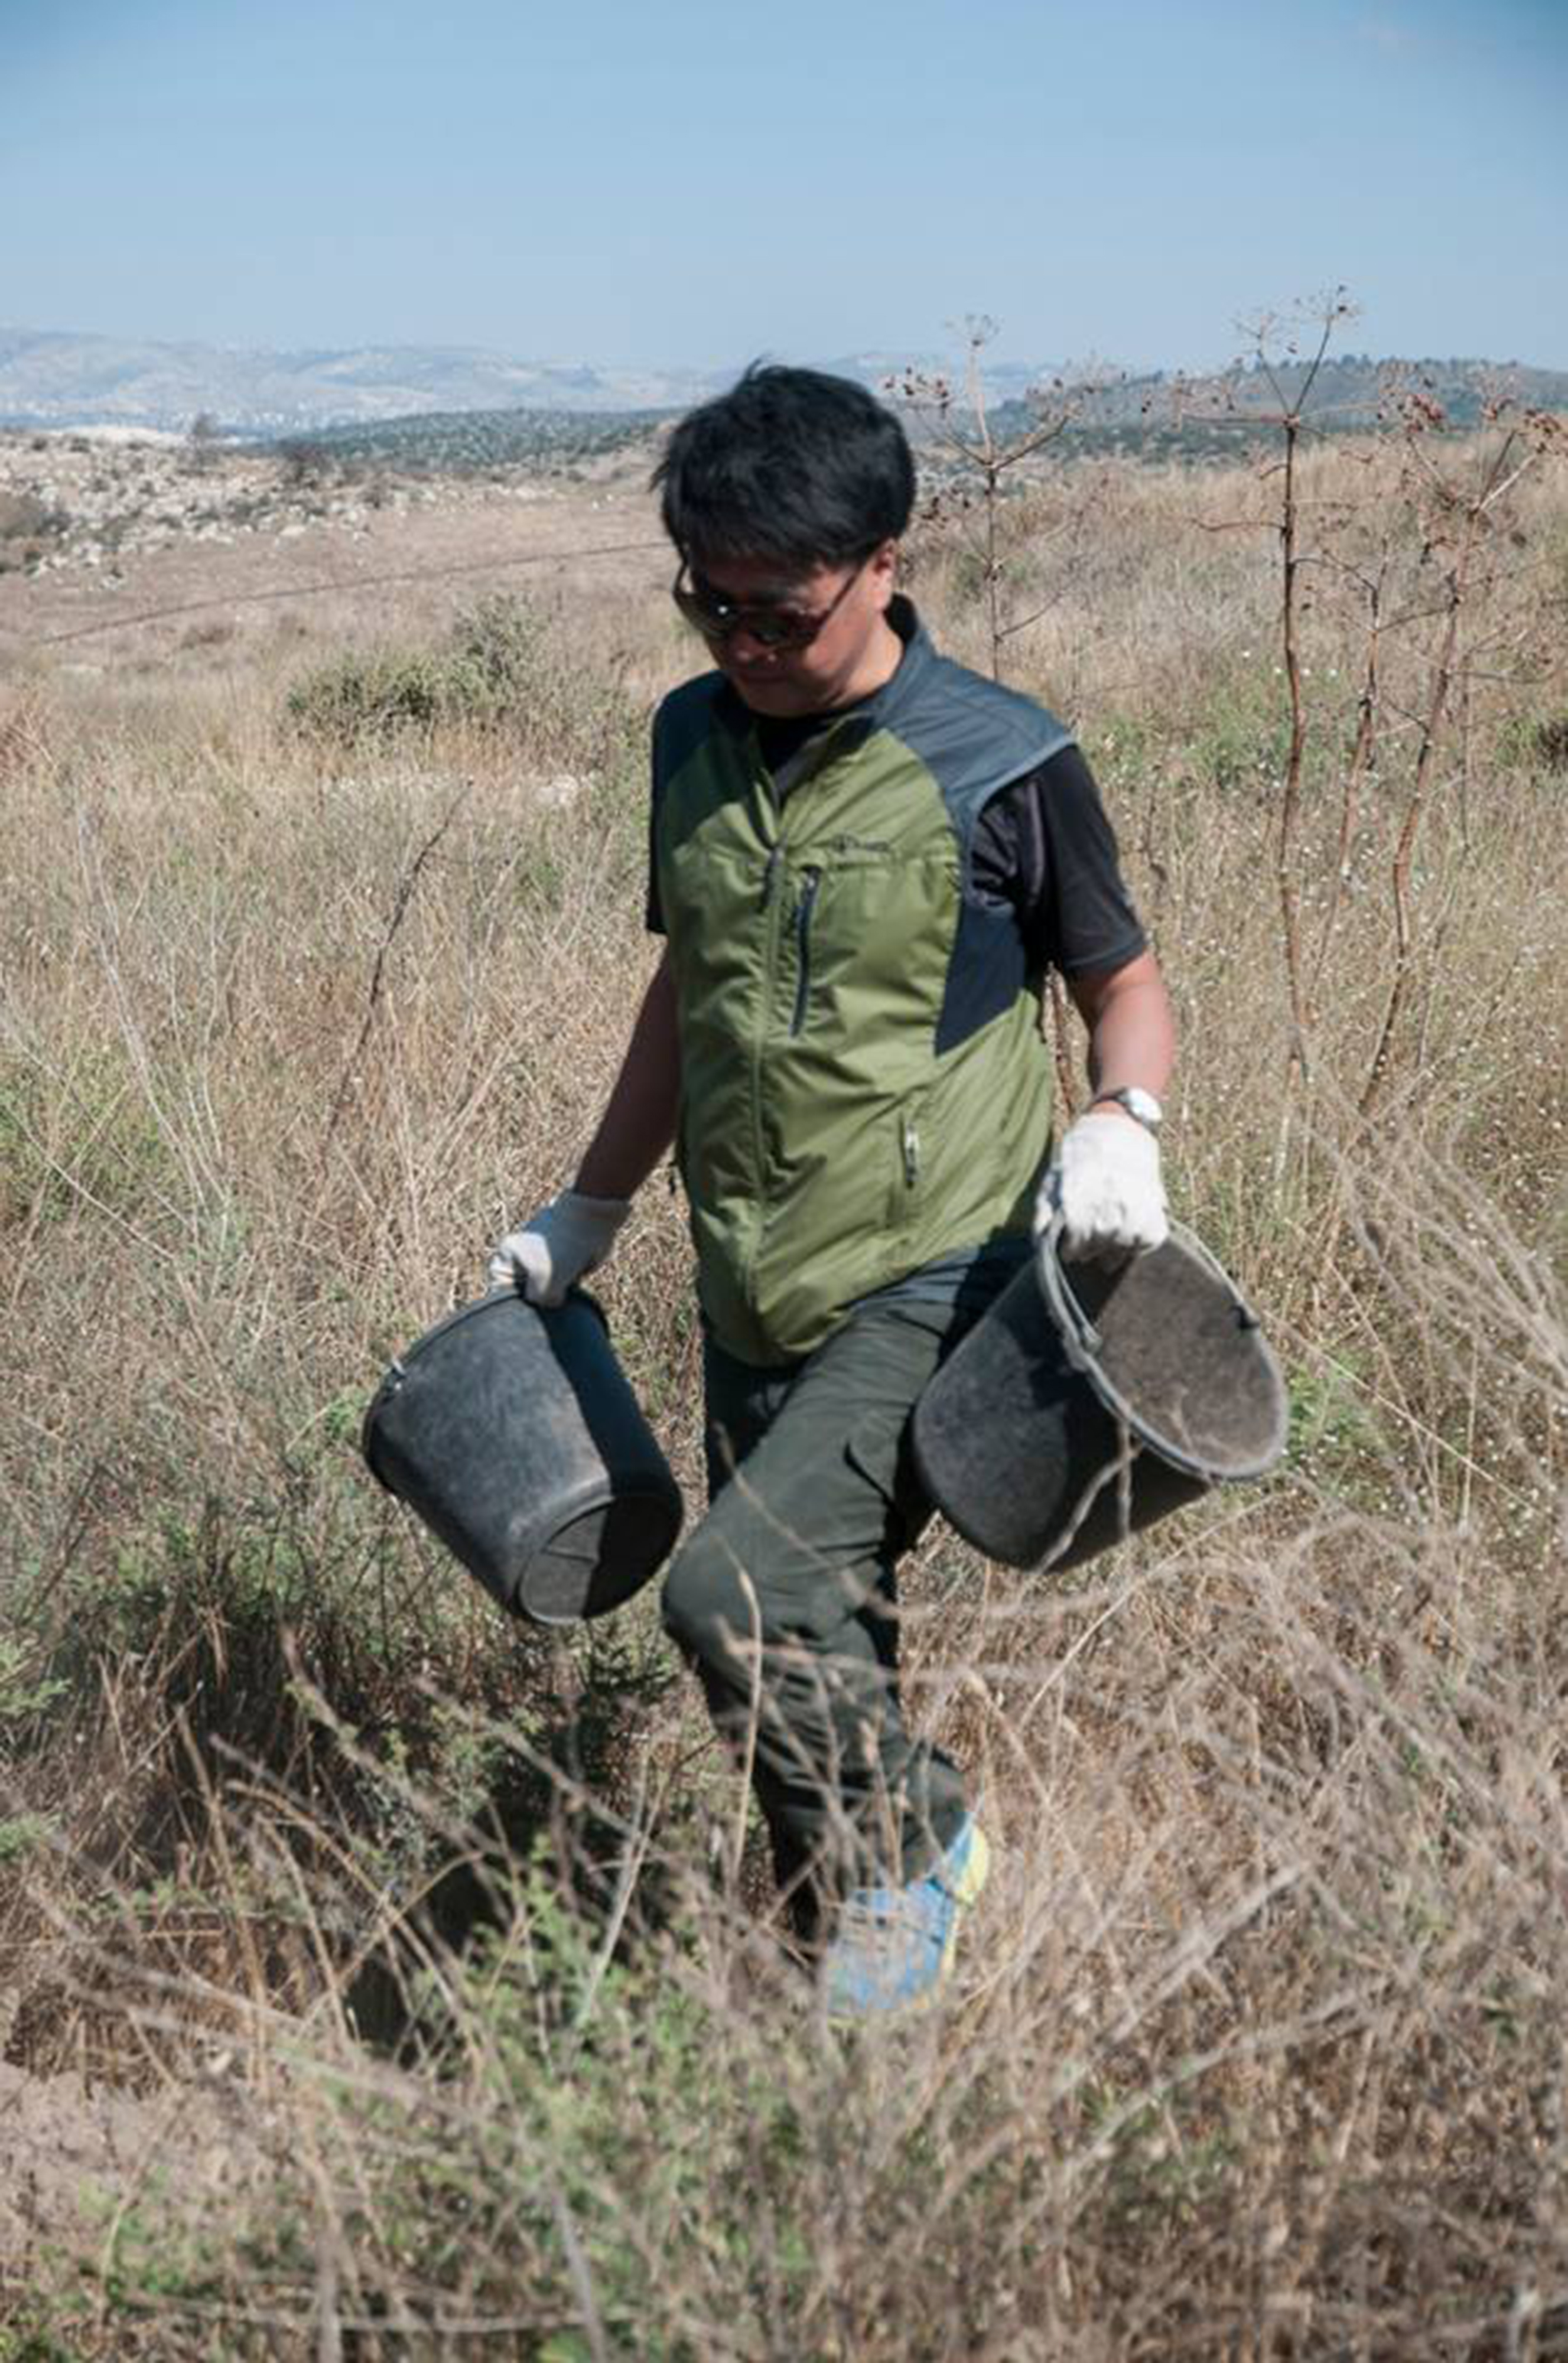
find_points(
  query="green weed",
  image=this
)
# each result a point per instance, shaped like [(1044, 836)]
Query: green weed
[(83, 1137), (27, 1690), (26, 1834)]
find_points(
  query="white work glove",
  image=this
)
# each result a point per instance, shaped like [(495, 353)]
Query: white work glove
[(1104, 1182), (557, 1246)]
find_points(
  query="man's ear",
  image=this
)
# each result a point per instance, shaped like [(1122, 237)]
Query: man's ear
[(881, 567)]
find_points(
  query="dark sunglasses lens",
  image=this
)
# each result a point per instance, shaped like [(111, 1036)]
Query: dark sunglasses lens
[(772, 631), (693, 611), (717, 619)]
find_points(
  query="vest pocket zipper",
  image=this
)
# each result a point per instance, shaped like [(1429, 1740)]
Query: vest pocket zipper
[(910, 1139), (811, 880)]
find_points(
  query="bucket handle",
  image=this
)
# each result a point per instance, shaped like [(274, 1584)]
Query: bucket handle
[(1082, 1341), (1079, 1333)]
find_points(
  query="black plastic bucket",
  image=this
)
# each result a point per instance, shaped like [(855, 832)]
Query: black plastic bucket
[(1090, 1400), (511, 1430)]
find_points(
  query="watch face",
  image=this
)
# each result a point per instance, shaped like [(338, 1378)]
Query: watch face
[(1140, 1103)]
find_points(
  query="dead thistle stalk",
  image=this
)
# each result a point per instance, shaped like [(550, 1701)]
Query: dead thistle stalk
[(404, 896)]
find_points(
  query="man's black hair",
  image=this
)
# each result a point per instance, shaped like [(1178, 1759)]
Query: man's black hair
[(791, 465)]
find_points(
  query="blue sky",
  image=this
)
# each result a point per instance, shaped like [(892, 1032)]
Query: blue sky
[(686, 182)]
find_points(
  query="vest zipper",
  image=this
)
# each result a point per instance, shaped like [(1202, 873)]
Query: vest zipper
[(768, 905), (911, 1140), (813, 879)]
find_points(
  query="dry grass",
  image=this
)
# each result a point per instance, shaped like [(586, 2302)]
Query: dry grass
[(1259, 2045)]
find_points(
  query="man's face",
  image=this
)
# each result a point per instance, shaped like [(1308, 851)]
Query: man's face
[(853, 653)]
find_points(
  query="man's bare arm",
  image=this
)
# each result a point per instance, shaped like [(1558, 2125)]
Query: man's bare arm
[(638, 1121), (1132, 1035)]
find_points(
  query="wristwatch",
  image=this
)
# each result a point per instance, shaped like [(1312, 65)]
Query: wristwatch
[(1137, 1102)]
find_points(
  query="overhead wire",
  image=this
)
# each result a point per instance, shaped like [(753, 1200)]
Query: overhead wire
[(316, 590)]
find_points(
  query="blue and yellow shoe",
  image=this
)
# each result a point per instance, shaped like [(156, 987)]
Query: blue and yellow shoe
[(893, 1947)]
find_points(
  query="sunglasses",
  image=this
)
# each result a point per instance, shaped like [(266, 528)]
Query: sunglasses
[(781, 628)]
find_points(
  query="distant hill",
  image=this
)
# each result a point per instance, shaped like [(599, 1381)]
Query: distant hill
[(473, 442), (1149, 418), (1185, 416), (51, 379), (59, 380)]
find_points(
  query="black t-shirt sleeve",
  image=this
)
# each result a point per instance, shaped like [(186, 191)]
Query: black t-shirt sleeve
[(1045, 849)]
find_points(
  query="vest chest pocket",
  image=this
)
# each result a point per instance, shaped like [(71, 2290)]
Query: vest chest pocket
[(870, 933)]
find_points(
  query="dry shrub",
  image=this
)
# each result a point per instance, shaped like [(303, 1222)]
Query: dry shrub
[(497, 671), (26, 524), (1257, 2046)]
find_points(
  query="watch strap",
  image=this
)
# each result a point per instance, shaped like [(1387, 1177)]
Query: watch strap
[(1141, 1106)]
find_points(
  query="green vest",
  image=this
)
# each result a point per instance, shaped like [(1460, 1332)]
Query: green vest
[(864, 1088)]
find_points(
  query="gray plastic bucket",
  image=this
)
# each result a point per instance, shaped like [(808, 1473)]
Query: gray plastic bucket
[(511, 1430), (1090, 1400)]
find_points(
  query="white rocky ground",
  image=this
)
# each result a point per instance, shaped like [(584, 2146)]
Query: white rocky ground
[(86, 501)]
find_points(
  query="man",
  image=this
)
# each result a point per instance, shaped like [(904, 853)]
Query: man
[(864, 857)]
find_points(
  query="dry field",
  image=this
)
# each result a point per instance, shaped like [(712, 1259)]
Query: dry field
[(378, 1979)]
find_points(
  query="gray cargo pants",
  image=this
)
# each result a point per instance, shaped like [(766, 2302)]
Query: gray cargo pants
[(785, 1598)]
